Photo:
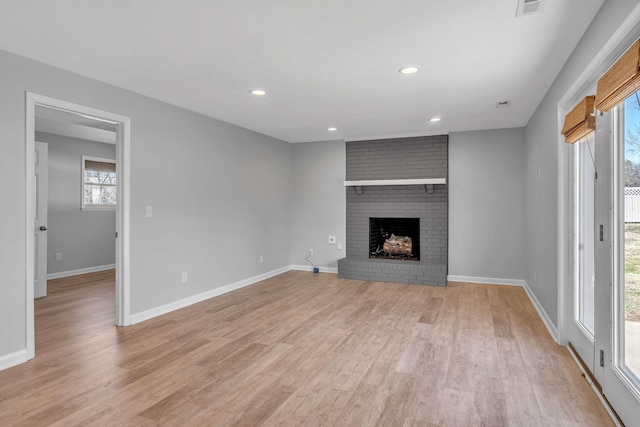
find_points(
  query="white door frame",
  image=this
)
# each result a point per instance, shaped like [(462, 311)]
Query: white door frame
[(626, 33), (123, 149)]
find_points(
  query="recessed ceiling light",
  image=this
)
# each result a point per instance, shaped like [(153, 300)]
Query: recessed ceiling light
[(332, 129), (435, 119), (408, 70), (258, 92)]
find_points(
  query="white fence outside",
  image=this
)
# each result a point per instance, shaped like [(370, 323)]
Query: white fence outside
[(632, 204)]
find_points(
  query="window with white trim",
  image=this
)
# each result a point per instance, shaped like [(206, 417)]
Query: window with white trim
[(98, 183)]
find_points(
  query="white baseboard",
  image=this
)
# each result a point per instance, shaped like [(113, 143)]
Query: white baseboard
[(13, 359), (542, 313), (80, 271), (309, 268), (176, 305), (485, 280)]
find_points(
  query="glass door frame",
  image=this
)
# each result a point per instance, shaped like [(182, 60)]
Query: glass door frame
[(580, 338), (618, 379)]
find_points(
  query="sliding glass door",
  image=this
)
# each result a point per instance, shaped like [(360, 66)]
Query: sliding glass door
[(621, 304), (627, 283), (605, 331)]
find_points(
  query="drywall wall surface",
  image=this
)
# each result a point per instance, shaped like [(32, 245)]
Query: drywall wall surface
[(221, 194), (486, 204), (12, 214), (84, 239), (319, 203), (542, 156)]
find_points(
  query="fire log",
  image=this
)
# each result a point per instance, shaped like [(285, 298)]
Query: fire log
[(398, 245)]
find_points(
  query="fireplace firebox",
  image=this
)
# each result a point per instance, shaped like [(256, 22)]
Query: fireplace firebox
[(394, 238)]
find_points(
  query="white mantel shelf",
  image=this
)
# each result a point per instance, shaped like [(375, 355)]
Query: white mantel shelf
[(426, 181)]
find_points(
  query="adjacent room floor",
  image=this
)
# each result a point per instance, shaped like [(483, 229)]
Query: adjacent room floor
[(299, 349)]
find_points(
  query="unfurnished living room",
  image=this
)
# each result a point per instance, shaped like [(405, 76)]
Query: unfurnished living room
[(336, 213)]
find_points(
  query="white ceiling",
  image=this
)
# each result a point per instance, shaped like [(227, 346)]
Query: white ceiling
[(323, 62)]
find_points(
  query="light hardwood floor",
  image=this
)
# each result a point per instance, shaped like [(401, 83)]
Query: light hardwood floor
[(300, 349)]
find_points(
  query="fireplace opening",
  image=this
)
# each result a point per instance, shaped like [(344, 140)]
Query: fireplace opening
[(394, 238)]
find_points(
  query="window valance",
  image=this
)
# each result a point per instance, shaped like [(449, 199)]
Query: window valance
[(580, 121), (620, 81)]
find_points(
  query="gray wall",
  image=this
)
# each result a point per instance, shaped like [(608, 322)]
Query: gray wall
[(319, 202), (210, 184), (84, 238), (542, 153), (486, 204)]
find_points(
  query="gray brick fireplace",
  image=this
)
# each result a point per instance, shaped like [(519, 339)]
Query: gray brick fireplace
[(418, 158)]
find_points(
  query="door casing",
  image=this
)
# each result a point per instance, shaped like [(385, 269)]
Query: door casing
[(123, 221)]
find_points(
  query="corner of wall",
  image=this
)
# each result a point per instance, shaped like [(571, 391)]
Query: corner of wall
[(553, 331)]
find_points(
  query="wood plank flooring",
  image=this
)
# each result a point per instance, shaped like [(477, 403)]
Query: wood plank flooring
[(300, 349)]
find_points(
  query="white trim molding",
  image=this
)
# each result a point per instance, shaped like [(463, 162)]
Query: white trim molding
[(485, 280), (123, 142), (553, 331), (79, 271), (13, 359), (194, 299), (322, 269)]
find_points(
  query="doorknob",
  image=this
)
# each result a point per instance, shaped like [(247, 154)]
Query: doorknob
[(43, 228)]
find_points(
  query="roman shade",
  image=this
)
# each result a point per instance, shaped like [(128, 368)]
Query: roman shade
[(620, 81), (97, 166), (580, 121)]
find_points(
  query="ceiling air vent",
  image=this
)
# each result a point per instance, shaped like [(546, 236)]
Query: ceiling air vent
[(528, 7)]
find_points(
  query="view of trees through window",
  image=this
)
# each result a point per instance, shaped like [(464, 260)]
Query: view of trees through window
[(99, 183), (632, 233)]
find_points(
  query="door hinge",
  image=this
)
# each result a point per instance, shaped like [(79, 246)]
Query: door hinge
[(602, 358), (601, 232), (116, 234), (596, 175)]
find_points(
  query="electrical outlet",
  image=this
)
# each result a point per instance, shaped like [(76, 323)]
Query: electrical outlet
[(58, 256), (311, 251), (184, 277), (261, 259), (332, 240)]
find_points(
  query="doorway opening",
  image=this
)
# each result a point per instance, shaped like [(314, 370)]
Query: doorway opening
[(60, 117)]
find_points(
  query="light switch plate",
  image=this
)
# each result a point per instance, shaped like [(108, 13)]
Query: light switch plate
[(149, 211)]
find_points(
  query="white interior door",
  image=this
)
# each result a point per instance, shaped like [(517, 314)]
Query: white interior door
[(40, 219)]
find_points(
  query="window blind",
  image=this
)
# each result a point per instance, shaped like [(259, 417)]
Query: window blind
[(93, 165), (620, 81), (580, 121)]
